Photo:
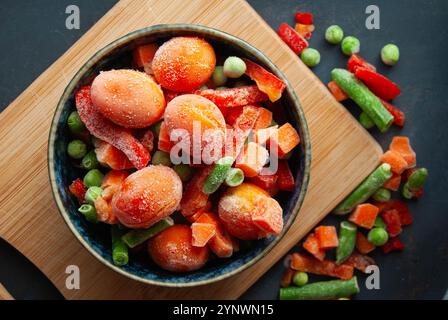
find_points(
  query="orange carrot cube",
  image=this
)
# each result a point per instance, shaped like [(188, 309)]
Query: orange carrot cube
[(397, 163), (143, 55), (311, 245), (336, 91), (283, 140), (362, 244), (327, 237), (402, 146), (264, 119), (221, 243), (193, 199), (252, 159), (364, 215), (202, 233)]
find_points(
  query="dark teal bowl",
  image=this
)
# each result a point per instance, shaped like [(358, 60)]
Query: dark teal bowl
[(96, 238)]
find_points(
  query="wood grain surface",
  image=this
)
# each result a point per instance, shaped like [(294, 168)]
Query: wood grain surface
[(343, 152)]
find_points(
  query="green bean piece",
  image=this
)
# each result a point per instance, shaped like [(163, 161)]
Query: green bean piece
[(161, 157), (184, 171), (377, 236), (137, 236), (324, 290), (120, 253), (155, 128), (379, 223), (390, 54), (365, 190), (364, 98), (234, 177), (365, 121), (415, 182), (76, 149), (92, 194), (347, 239), (74, 123), (382, 195), (89, 212), (300, 278), (334, 34), (218, 76), (217, 176), (93, 178), (234, 67), (90, 161), (350, 45)]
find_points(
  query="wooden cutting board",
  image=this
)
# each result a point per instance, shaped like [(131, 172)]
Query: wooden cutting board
[(343, 152)]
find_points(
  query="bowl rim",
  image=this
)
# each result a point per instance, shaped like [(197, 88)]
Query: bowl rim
[(205, 31)]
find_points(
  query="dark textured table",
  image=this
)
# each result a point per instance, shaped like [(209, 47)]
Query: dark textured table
[(33, 36)]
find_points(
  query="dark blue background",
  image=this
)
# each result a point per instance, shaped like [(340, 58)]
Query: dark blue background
[(33, 36)]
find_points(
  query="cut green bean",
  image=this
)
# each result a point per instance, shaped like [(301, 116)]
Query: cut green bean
[(382, 195), (92, 194), (325, 290), (415, 182), (217, 176), (365, 190), (365, 121), (234, 177), (379, 223), (120, 254), (90, 161), (137, 236), (89, 212), (364, 98), (347, 239)]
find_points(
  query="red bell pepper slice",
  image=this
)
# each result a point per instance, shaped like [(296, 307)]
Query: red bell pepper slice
[(234, 97), (379, 84), (104, 129), (392, 220), (301, 262), (265, 80), (285, 178), (400, 206), (359, 262), (394, 244), (356, 61), (294, 40), (304, 17), (399, 116), (78, 189)]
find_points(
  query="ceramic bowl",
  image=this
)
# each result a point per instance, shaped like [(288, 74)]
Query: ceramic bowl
[(95, 237)]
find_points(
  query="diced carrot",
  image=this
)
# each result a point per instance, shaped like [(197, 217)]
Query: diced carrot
[(252, 159), (221, 243), (397, 163), (364, 215), (402, 146), (327, 237), (78, 189), (110, 156), (392, 220), (143, 55), (164, 143), (336, 91), (359, 262), (265, 80), (311, 244), (202, 233), (362, 244), (112, 182), (301, 262), (261, 136), (193, 199), (305, 30), (283, 140), (393, 183), (285, 178), (287, 277), (394, 244), (264, 119)]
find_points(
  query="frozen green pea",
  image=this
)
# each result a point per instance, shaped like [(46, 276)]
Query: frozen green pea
[(75, 125), (161, 157), (76, 149), (218, 76), (365, 121), (89, 212), (184, 171), (350, 45), (334, 34), (90, 161), (390, 54), (377, 236), (234, 67), (311, 57), (93, 178), (92, 194), (300, 279), (381, 195)]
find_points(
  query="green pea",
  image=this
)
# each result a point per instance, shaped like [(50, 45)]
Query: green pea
[(90, 161), (184, 171), (93, 178), (76, 149), (89, 212), (218, 76), (381, 195), (377, 236), (379, 223), (390, 54), (161, 157), (366, 121), (234, 67), (92, 194), (350, 45), (75, 125), (311, 57), (334, 34), (300, 279)]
